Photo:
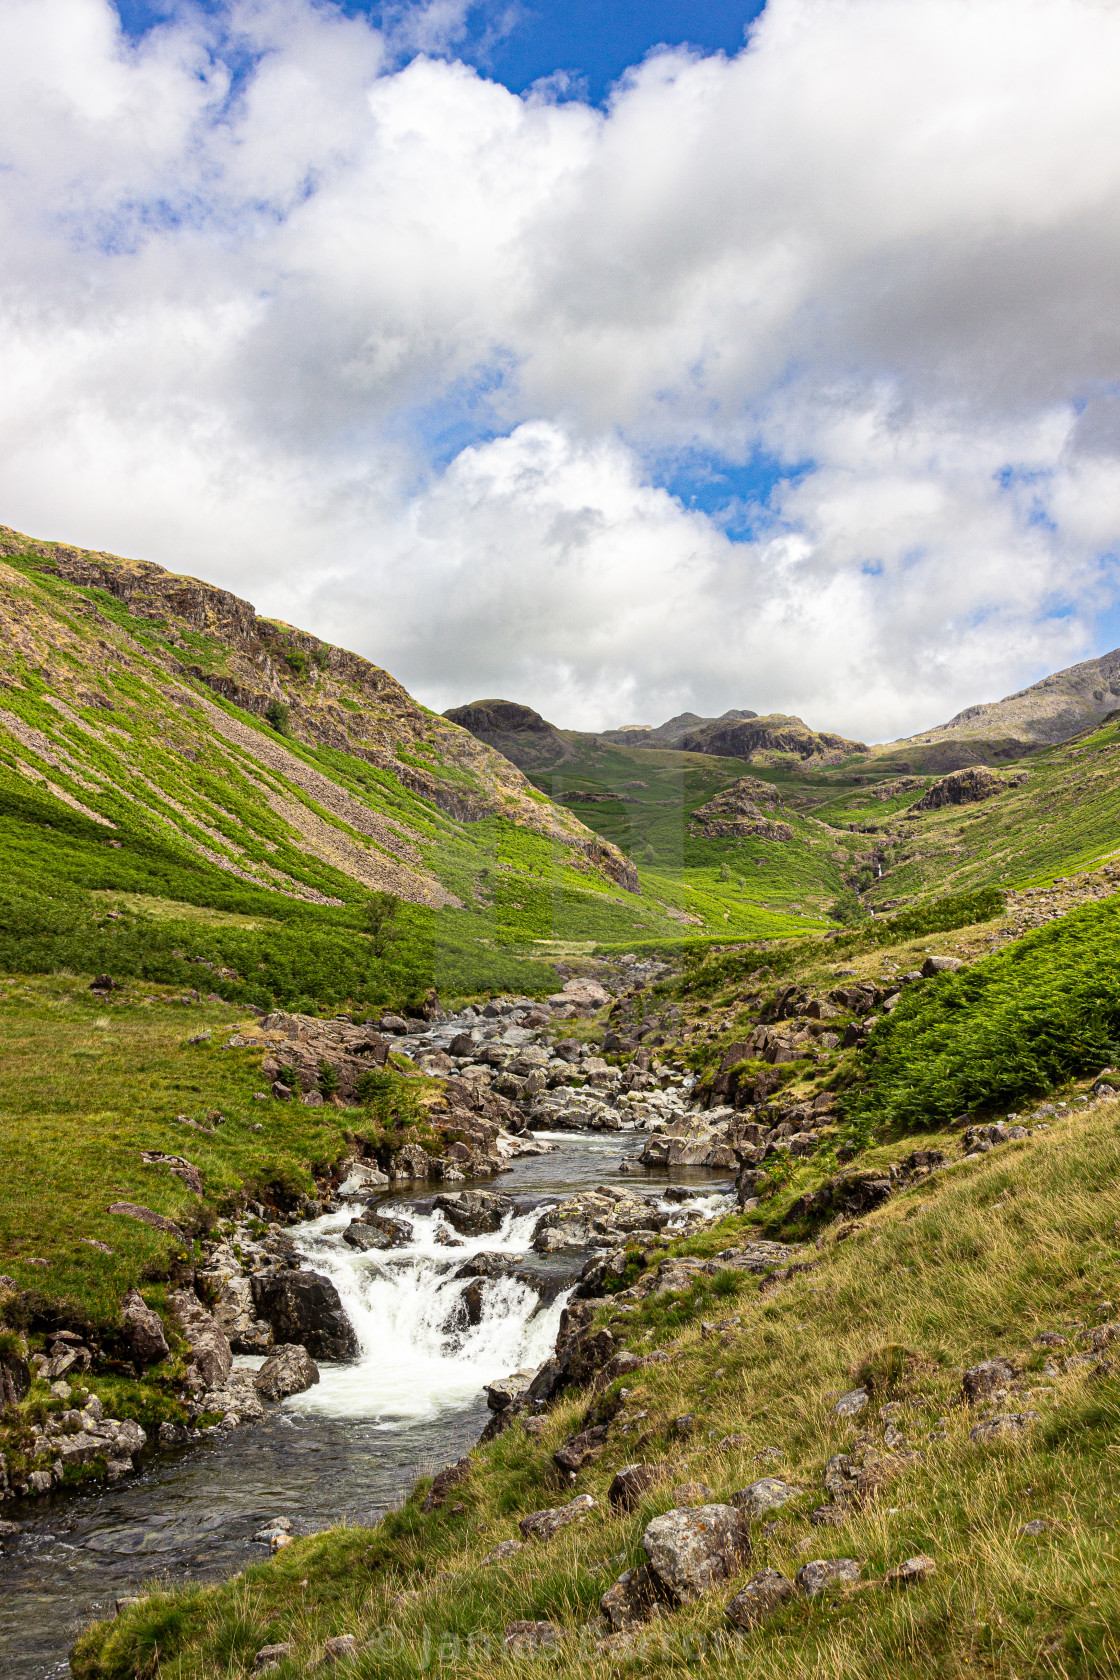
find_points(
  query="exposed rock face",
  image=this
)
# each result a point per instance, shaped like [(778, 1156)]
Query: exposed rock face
[(691, 1551), (304, 1307), (778, 734), (212, 1358), (144, 1329), (287, 1370), (743, 810), (966, 787)]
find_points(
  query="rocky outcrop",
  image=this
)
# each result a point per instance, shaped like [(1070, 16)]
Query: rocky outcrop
[(742, 811), (966, 787), (211, 1354), (143, 1330)]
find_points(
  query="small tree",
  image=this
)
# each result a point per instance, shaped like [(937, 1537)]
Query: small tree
[(278, 716), (848, 909), (381, 917)]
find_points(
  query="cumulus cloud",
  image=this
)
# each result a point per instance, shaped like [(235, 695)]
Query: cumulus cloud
[(402, 355)]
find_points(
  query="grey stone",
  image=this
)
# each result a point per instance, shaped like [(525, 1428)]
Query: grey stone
[(631, 1599), (851, 1403), (816, 1577), (1004, 1426), (505, 1549), (522, 1638), (212, 1356), (767, 1494), (691, 1551), (908, 1574), (342, 1645), (542, 1525), (144, 1330), (271, 1656), (761, 1597), (289, 1369)]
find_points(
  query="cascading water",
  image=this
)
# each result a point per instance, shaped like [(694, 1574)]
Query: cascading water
[(419, 1356)]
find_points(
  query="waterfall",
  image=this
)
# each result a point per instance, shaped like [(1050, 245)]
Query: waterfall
[(416, 1361)]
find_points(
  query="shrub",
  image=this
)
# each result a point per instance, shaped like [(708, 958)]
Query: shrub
[(279, 716)]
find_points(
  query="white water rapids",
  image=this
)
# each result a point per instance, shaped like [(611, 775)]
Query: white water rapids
[(415, 1362)]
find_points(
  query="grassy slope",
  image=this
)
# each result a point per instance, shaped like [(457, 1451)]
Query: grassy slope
[(192, 817), (87, 1083), (971, 1264)]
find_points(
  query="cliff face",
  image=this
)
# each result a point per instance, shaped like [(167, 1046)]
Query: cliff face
[(181, 641)]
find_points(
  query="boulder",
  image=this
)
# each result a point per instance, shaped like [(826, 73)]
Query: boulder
[(503, 1391), (542, 1525), (690, 1551), (342, 1645), (143, 1330), (816, 1577), (304, 1307), (767, 1494), (580, 1450), (761, 1597), (940, 965), (474, 1213), (212, 1356), (289, 1369), (448, 1479)]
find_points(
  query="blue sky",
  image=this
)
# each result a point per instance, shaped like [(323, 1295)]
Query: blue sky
[(519, 43)]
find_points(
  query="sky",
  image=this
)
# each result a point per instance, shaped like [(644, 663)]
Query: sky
[(617, 360)]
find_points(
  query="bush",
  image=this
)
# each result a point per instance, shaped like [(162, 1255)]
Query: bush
[(279, 716), (849, 909)]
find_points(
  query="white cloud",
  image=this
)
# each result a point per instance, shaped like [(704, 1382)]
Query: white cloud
[(239, 312)]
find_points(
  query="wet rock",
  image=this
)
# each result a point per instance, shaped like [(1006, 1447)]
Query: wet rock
[(691, 1551), (279, 1525), (816, 1577), (504, 1391), (489, 1265), (237, 1400), (143, 1329), (289, 1369), (474, 1213), (763, 1594), (767, 1494), (1004, 1426), (304, 1307), (632, 1483), (173, 1435), (212, 1356), (523, 1638), (910, 1573), (396, 1233), (542, 1525)]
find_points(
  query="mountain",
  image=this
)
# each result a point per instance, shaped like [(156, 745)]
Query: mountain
[(518, 732), (159, 738), (669, 734), (1047, 712)]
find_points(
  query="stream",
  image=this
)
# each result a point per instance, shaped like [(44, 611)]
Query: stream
[(347, 1449)]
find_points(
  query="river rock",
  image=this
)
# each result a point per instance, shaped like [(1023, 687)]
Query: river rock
[(212, 1356), (237, 1400), (143, 1329), (235, 1314), (304, 1307), (504, 1391), (542, 1525), (474, 1213), (489, 1265), (365, 1240), (691, 1551), (287, 1370), (761, 1597)]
